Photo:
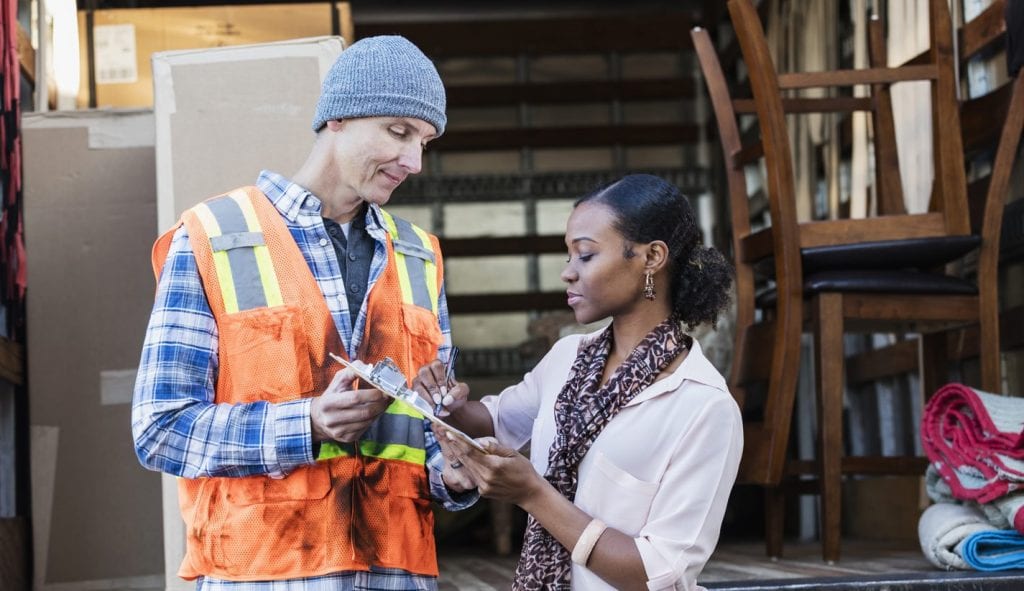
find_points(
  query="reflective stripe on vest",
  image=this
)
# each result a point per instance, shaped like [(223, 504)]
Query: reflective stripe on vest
[(417, 277), (396, 435), (414, 255), (245, 271)]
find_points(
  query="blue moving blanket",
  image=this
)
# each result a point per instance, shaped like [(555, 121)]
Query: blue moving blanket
[(994, 550)]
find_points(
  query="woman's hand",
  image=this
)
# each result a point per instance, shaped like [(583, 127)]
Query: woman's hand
[(431, 384), (454, 475), (502, 473)]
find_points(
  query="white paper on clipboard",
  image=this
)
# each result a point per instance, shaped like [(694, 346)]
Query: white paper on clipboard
[(406, 395)]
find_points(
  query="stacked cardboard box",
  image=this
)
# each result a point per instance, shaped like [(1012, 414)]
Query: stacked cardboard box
[(123, 40)]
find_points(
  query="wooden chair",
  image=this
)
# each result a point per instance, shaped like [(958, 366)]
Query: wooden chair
[(854, 275)]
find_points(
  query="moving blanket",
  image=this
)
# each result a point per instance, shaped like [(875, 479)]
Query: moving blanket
[(994, 550), (942, 529), (974, 440), (1006, 512)]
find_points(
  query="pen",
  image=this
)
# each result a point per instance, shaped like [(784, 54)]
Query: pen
[(449, 375)]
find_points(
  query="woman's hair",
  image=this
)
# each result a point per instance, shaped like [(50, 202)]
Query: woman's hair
[(648, 208)]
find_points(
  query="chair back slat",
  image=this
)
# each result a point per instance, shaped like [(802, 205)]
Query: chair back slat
[(888, 180), (949, 189), (983, 31)]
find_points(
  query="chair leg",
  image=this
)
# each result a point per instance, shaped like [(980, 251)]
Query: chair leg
[(774, 520), (991, 378), (828, 359), (934, 363)]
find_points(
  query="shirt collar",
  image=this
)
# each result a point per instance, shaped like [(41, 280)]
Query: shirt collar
[(696, 367), (290, 198)]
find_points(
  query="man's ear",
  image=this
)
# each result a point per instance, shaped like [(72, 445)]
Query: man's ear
[(656, 256), (335, 124)]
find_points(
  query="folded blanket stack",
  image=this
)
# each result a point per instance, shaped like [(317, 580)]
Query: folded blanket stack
[(975, 443), (942, 530), (994, 550), (974, 440)]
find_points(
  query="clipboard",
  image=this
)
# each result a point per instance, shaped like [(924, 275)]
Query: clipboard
[(386, 377)]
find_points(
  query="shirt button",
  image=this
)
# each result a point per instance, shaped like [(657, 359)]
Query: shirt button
[(353, 287), (351, 256), (323, 242), (342, 298)]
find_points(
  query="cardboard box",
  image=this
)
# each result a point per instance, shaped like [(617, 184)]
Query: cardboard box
[(219, 121), (90, 221), (125, 39)]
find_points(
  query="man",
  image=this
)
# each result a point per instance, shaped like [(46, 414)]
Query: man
[(287, 483)]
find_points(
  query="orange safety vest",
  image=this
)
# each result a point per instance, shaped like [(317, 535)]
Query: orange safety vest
[(359, 505)]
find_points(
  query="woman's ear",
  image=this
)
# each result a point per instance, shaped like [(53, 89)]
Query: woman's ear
[(656, 256)]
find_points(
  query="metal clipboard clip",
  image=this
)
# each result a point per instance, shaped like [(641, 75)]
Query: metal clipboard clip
[(386, 377)]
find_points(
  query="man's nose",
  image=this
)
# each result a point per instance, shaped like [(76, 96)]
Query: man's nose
[(411, 158)]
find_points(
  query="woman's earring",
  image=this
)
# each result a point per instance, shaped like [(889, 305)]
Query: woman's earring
[(648, 286)]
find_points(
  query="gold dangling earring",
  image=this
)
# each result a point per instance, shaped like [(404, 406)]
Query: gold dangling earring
[(648, 286)]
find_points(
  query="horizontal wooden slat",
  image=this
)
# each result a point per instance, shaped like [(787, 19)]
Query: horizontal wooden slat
[(512, 245), (865, 230), (795, 80), (506, 302), (900, 358), (821, 233), (882, 363), (564, 137), (876, 465), (624, 32), (569, 92), (914, 309), (844, 104)]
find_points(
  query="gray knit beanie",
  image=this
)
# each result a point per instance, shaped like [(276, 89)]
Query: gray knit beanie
[(383, 76)]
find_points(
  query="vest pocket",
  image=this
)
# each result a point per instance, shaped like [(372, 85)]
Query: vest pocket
[(265, 354), (305, 483), (424, 334)]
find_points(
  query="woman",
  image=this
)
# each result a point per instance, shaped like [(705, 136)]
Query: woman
[(633, 430)]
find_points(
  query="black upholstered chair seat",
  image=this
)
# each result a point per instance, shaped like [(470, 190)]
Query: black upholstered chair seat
[(916, 253), (893, 281)]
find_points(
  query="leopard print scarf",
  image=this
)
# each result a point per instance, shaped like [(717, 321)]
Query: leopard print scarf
[(582, 410)]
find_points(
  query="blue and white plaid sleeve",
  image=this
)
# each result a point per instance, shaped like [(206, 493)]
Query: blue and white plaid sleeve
[(435, 459), (177, 427)]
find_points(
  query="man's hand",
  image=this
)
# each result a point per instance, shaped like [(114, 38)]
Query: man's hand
[(342, 414)]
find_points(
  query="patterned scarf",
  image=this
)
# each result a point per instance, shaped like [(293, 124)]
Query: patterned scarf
[(582, 410)]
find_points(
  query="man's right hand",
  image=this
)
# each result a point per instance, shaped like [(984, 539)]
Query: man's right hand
[(342, 414)]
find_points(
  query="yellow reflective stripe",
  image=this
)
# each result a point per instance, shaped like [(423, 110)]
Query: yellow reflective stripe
[(268, 277), (403, 271), (429, 268), (330, 449), (393, 451), (220, 259), (397, 407)]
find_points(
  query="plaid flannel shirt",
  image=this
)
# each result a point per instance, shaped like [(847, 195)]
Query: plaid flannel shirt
[(179, 430)]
